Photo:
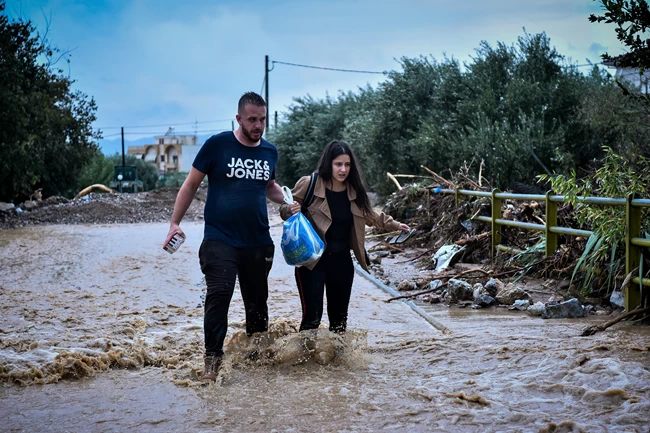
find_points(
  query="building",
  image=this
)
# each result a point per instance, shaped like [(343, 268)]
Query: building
[(626, 71), (170, 153)]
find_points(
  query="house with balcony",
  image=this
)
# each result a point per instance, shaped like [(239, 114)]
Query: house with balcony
[(170, 153)]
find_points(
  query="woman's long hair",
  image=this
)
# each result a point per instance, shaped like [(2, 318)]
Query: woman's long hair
[(333, 150)]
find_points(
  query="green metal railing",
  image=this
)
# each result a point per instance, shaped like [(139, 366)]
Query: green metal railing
[(633, 240)]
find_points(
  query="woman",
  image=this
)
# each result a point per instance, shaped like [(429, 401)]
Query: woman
[(339, 213)]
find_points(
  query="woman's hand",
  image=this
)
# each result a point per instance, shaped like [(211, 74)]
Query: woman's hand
[(295, 207), (403, 227)]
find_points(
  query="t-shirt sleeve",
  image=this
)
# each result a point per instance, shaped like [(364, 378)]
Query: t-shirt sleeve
[(204, 160)]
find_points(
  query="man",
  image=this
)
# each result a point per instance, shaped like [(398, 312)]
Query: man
[(240, 166)]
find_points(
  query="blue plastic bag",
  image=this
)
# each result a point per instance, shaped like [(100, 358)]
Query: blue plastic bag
[(300, 243)]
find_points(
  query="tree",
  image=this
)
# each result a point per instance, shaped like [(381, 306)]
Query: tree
[(632, 20), (522, 109), (46, 135)]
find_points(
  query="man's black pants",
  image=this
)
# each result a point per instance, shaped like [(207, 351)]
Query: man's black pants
[(221, 263), (336, 273)]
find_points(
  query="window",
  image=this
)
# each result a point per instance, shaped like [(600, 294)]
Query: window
[(175, 159), (161, 141), (162, 158)]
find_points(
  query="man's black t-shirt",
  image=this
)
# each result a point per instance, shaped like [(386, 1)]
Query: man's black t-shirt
[(235, 210)]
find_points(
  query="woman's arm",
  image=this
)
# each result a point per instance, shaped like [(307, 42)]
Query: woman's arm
[(383, 221)]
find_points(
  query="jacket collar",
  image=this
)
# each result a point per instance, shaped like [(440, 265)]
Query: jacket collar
[(319, 189)]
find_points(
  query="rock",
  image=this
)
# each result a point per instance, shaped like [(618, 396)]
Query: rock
[(382, 253), (591, 301), (56, 199), (30, 205), (434, 284), (375, 258), (432, 299), (537, 309), (520, 304), (478, 290), (564, 310), (407, 285), (484, 300), (510, 293), (492, 287), (459, 290), (617, 298), (6, 207)]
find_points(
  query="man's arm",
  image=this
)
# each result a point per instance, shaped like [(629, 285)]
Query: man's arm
[(274, 192), (183, 202)]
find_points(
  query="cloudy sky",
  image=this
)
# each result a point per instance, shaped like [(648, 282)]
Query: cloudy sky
[(169, 62)]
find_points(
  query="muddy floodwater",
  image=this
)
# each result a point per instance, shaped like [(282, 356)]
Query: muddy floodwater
[(101, 331)]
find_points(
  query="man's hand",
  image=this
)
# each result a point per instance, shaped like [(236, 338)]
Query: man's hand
[(403, 227), (173, 230)]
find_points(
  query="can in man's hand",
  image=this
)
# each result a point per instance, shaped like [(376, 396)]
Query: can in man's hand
[(174, 244)]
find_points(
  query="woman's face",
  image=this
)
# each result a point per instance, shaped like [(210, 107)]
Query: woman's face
[(341, 167)]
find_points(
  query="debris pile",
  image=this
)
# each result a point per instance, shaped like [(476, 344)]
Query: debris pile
[(447, 237), (100, 208)]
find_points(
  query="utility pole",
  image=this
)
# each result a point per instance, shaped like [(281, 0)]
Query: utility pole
[(120, 175), (232, 124), (122, 146), (266, 87), (275, 126)]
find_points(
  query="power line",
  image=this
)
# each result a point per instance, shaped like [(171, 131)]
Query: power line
[(158, 133), (166, 124), (327, 69), (588, 64)]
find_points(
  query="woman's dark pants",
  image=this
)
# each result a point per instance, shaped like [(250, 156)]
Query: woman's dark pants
[(334, 274)]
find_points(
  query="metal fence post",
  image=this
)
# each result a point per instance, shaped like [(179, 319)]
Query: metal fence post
[(632, 253), (496, 228), (551, 221)]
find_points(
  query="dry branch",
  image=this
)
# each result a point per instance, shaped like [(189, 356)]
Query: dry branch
[(591, 330), (437, 176), (391, 177)]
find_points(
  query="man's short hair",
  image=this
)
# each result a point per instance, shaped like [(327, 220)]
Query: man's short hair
[(250, 98)]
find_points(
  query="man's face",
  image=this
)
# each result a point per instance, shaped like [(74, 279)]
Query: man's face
[(252, 121)]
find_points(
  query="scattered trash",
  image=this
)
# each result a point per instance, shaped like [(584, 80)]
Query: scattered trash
[(398, 239), (467, 225), (444, 256)]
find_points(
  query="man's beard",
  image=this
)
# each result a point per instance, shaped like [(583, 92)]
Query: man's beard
[(248, 134)]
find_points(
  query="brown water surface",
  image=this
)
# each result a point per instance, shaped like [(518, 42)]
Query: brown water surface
[(101, 330)]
